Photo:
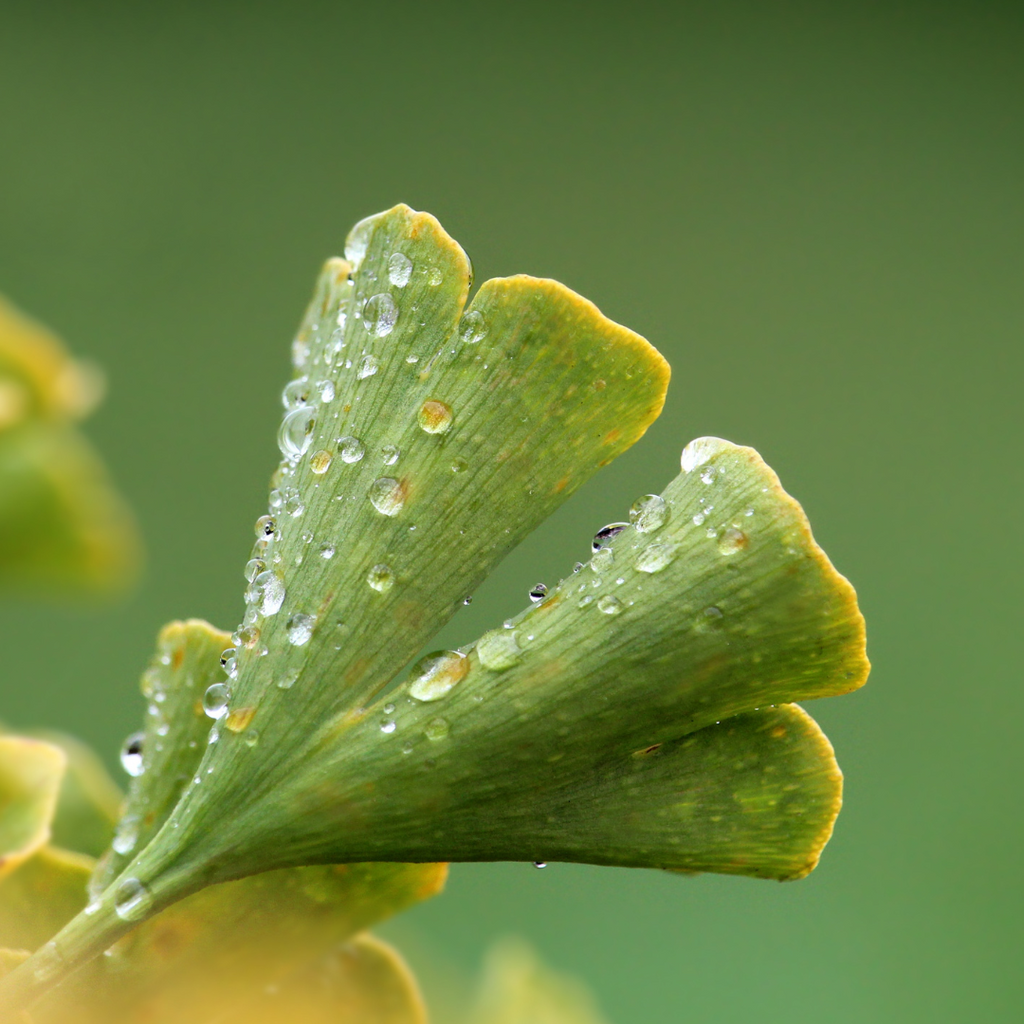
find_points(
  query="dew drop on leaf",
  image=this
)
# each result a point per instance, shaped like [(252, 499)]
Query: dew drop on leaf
[(656, 556), (649, 513), (387, 496), (473, 327), (320, 461), (731, 541), (300, 628), (132, 900), (131, 754), (215, 700), (381, 578), (433, 676), (538, 593), (499, 649), (399, 269), (350, 449), (296, 393), (436, 729), (296, 432), (435, 417), (609, 605), (380, 314), (606, 535), (368, 366)]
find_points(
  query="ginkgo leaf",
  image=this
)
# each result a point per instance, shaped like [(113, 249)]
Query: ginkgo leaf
[(627, 718), (89, 803), (163, 757), (38, 899), (365, 981), (523, 748), (30, 777), (202, 959), (62, 525), (517, 988)]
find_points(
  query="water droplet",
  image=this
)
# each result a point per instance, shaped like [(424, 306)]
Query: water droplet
[(656, 556), (473, 327), (266, 592), (326, 390), (229, 662), (380, 314), (327, 550), (606, 535), (359, 239), (609, 605), (539, 592), (713, 613), (707, 476), (247, 636), (132, 900), (320, 461), (265, 529), (296, 432), (699, 451), (296, 393), (603, 560), (390, 453), (388, 726), (126, 836), (540, 863), (434, 676), (300, 353), (215, 700), (399, 269), (300, 628), (350, 449), (436, 729), (434, 276), (584, 601), (435, 417), (578, 567), (387, 496), (649, 513), (731, 541), (293, 503), (287, 681), (389, 709), (254, 567), (499, 649), (252, 737), (368, 366), (698, 519), (459, 465), (468, 600), (381, 578), (131, 754)]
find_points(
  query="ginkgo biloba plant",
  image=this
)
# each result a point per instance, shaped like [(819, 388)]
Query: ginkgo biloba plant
[(640, 713)]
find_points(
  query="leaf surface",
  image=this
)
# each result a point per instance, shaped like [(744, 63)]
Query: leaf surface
[(30, 777), (204, 957)]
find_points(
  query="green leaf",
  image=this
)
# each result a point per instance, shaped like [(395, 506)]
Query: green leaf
[(62, 525), (518, 989), (30, 777), (364, 982), (38, 899), (420, 445), (89, 803), (542, 390), (529, 752), (202, 959), (186, 662)]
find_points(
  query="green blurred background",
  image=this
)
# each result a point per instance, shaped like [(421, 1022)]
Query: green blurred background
[(814, 211)]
